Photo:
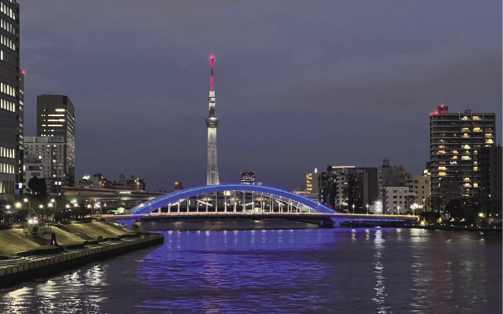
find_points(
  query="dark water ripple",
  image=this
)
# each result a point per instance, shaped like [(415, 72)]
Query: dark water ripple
[(282, 271)]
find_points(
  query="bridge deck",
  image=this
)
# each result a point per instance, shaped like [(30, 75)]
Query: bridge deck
[(259, 215)]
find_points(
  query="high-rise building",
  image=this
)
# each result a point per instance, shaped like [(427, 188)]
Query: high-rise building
[(455, 141), (490, 163), (56, 118), (212, 123), (11, 101)]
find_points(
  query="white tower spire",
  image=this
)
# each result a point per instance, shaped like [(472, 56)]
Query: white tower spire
[(212, 123)]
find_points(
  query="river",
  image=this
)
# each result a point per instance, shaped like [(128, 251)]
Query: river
[(282, 271)]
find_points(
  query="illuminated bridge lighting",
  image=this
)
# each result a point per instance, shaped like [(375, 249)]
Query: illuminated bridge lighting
[(284, 196)]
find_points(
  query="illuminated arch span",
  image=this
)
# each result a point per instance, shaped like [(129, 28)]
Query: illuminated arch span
[(164, 200)]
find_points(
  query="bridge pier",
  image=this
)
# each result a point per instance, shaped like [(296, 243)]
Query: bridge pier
[(235, 201)]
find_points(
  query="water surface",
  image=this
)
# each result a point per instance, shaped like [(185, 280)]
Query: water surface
[(282, 271)]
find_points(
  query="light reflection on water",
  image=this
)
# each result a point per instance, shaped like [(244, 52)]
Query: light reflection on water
[(282, 271)]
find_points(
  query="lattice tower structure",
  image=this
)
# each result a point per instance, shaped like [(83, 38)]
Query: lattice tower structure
[(212, 177)]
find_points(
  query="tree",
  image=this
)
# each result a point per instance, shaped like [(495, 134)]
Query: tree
[(455, 208), (38, 187)]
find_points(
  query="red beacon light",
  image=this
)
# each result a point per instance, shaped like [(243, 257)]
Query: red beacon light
[(23, 72)]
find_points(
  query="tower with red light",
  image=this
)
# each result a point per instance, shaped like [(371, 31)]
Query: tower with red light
[(212, 123)]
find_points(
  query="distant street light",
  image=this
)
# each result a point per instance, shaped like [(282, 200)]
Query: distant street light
[(367, 209), (18, 205), (353, 208)]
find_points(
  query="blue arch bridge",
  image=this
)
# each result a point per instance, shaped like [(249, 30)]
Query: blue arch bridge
[(244, 201)]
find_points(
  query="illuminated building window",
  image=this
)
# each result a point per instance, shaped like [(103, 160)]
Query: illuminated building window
[(455, 152), (475, 185), (488, 135), (442, 168), (466, 135), (442, 174), (466, 146), (475, 168), (477, 130), (466, 158), (465, 130)]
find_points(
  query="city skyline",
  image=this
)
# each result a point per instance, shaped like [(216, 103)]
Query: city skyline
[(295, 93)]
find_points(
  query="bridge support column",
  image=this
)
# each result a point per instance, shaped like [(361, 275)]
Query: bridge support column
[(169, 208), (159, 210), (253, 202), (188, 205), (179, 201), (206, 194), (197, 203), (225, 200), (235, 201), (244, 202)]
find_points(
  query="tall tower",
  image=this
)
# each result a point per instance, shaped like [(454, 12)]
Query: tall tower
[(212, 123)]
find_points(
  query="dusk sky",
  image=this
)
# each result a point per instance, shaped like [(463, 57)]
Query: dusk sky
[(299, 84)]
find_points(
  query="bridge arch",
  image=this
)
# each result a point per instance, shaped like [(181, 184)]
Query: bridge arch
[(304, 203)]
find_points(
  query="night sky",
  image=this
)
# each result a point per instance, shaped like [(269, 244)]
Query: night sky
[(299, 84)]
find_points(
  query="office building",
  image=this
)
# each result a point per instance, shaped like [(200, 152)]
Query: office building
[(11, 101), (56, 118), (455, 141), (45, 158), (490, 162), (349, 188)]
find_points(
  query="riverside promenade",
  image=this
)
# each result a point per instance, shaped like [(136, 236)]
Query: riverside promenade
[(15, 270)]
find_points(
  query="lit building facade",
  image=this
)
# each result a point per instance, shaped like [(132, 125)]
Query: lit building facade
[(313, 185), (11, 101), (212, 177), (455, 141), (45, 158), (56, 118), (247, 177), (398, 199), (350, 189)]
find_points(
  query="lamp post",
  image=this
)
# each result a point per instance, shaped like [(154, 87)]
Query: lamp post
[(18, 205), (42, 207), (27, 201), (398, 207), (353, 209)]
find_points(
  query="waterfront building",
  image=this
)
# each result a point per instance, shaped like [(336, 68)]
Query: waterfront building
[(391, 176), (350, 188), (455, 142), (212, 177), (11, 101), (490, 162), (45, 159), (178, 186), (398, 199), (56, 118), (421, 187), (248, 177)]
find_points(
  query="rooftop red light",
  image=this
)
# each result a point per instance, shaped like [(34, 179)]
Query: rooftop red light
[(23, 72)]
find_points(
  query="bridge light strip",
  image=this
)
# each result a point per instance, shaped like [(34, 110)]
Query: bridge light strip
[(234, 187)]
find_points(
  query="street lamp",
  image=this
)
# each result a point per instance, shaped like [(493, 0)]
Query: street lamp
[(18, 205), (42, 207), (353, 209), (367, 209), (398, 210), (27, 201)]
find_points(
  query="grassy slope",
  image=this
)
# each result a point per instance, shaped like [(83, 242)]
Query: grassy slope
[(64, 238), (95, 229), (13, 241)]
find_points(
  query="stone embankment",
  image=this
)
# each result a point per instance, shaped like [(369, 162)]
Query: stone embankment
[(14, 270)]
